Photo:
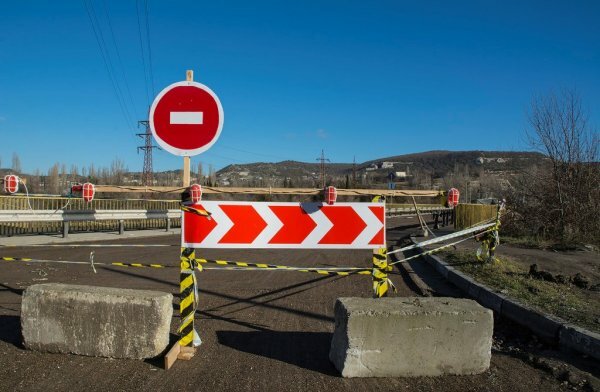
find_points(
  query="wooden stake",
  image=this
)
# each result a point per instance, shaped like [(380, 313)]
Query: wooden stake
[(189, 76), (186, 171)]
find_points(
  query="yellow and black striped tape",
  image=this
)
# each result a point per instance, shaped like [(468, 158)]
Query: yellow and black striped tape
[(240, 264), (237, 264), (195, 211), (380, 270), (15, 259), (140, 265)]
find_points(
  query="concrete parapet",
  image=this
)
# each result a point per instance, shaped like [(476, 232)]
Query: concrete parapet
[(391, 337), (96, 321)]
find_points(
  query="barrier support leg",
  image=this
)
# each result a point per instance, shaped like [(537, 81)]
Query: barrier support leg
[(188, 337), (381, 282), (65, 227)]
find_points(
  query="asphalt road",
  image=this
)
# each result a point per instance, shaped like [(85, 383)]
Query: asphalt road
[(261, 330)]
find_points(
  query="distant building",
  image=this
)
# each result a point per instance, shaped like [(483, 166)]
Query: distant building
[(387, 165)]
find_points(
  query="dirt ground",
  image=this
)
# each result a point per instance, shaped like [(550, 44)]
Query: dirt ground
[(261, 330), (568, 263)]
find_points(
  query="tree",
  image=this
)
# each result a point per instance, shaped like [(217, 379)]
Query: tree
[(52, 181), (117, 172), (212, 175), (559, 201), (200, 175)]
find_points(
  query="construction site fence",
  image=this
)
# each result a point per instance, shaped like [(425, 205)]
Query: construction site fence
[(467, 215)]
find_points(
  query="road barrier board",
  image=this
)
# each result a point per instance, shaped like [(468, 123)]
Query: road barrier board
[(285, 225)]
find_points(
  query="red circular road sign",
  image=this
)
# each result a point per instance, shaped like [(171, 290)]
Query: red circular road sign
[(186, 118)]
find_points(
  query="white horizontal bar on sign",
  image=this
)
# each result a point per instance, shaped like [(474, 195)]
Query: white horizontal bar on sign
[(187, 118)]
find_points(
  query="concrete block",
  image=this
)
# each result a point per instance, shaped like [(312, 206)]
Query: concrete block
[(396, 337), (96, 321), (545, 327), (575, 338)]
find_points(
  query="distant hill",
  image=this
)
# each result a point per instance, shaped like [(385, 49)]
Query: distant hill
[(435, 164)]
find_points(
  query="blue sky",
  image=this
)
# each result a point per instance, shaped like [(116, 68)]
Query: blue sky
[(355, 78)]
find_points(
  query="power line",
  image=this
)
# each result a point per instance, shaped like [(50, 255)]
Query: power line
[(149, 49), (137, 11), (106, 59), (112, 33)]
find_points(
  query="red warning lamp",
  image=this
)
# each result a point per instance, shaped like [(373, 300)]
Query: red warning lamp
[(195, 193), (330, 195), (88, 190), (11, 183), (453, 196)]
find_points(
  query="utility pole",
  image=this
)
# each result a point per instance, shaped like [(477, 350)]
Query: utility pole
[(322, 160), (147, 174)]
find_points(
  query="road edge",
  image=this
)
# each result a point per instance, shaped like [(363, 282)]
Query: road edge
[(555, 329)]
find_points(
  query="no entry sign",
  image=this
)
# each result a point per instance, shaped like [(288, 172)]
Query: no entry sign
[(252, 225), (186, 118)]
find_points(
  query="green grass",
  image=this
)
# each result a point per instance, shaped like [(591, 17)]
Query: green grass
[(581, 307)]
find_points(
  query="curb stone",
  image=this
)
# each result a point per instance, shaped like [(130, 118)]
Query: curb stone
[(552, 328)]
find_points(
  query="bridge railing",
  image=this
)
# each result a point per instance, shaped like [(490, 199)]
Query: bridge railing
[(47, 215)]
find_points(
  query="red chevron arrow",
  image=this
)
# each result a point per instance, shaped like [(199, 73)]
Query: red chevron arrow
[(379, 212), (347, 225), (197, 227), (297, 225), (247, 224)]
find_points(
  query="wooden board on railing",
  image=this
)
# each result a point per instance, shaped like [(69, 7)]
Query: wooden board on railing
[(270, 191)]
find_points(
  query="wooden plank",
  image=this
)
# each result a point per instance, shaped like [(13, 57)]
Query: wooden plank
[(269, 191), (186, 353), (178, 352), (172, 355)]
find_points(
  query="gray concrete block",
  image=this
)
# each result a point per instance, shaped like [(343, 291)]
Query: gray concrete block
[(543, 326), (392, 337), (575, 338), (96, 321)]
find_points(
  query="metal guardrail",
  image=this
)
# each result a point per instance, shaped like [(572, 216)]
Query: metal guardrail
[(16, 221), (76, 216)]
